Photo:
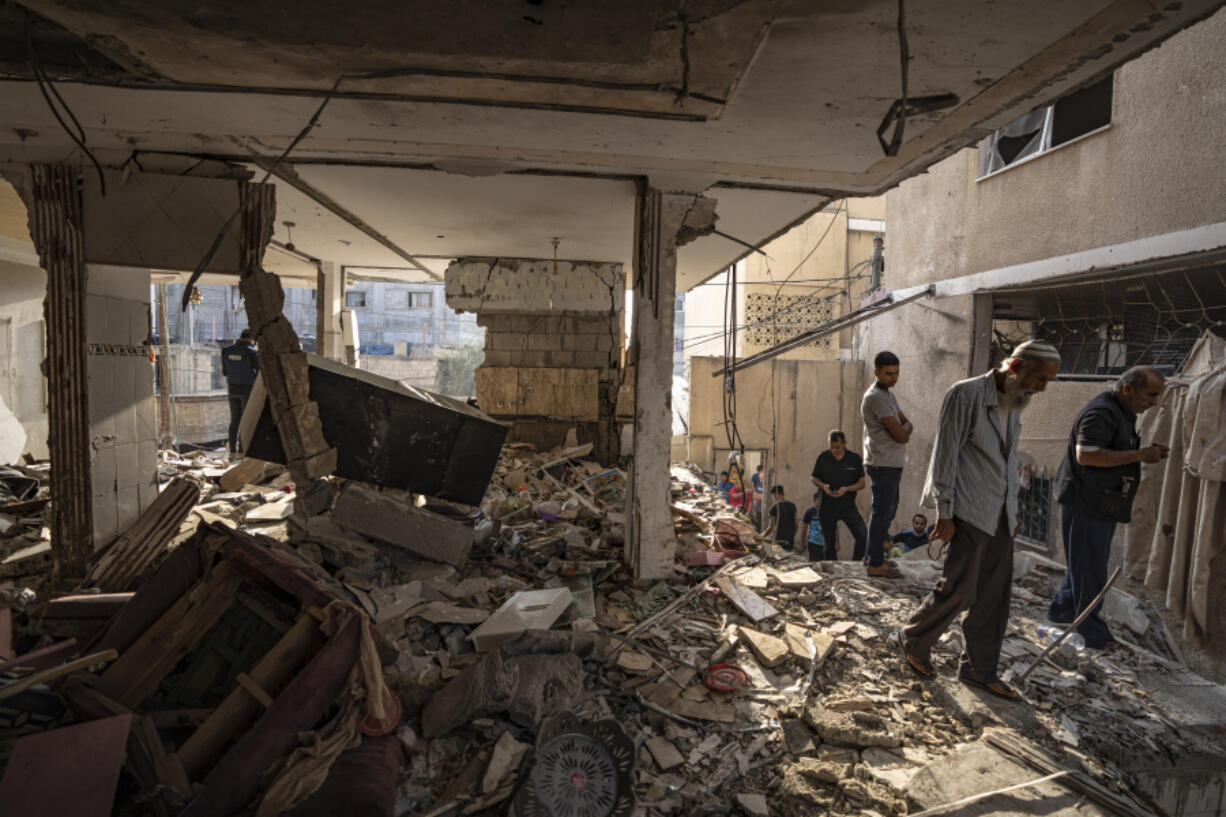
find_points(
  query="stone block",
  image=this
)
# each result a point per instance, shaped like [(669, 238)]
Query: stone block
[(591, 360), (506, 341), (560, 359), (392, 518), (544, 341), (538, 392), (796, 736), (576, 342), (526, 323), (496, 358), (535, 359), (753, 805)]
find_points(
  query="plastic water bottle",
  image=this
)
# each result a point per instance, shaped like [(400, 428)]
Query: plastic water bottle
[(1047, 634)]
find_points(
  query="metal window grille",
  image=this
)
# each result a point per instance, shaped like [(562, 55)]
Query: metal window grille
[(771, 319), (1034, 510), (1103, 327)]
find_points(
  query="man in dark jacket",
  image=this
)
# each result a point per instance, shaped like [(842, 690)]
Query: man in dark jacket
[(240, 364), (1095, 486)]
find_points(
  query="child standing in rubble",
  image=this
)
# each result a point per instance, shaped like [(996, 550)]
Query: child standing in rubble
[(782, 526)]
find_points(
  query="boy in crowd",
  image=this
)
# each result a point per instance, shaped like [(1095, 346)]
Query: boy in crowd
[(783, 520), (813, 525), (724, 486)]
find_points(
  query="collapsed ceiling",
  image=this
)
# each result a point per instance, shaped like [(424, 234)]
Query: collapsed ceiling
[(501, 126)]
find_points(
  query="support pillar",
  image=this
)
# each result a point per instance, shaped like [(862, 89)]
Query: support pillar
[(665, 222), (56, 225), (283, 364), (329, 300)]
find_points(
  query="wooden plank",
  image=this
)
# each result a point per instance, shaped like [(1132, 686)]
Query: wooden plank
[(253, 689), (166, 768), (235, 779), (136, 550), (56, 672), (41, 659), (137, 673), (238, 710)]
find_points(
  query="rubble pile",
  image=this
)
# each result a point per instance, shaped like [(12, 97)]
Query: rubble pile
[(402, 654)]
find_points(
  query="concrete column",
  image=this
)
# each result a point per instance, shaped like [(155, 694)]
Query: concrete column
[(57, 227), (665, 222), (329, 300)]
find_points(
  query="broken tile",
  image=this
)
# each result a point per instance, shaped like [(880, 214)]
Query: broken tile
[(525, 610), (504, 759)]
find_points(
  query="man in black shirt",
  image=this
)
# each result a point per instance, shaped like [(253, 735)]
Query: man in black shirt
[(783, 520), (239, 363), (838, 474), (1095, 486), (917, 536)]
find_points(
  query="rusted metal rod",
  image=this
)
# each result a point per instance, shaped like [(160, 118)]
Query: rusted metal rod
[(1072, 628)]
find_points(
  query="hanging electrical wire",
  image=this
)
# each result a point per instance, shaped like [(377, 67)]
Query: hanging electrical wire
[(52, 95)]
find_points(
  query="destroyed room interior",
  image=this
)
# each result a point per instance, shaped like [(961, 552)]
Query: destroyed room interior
[(455, 407)]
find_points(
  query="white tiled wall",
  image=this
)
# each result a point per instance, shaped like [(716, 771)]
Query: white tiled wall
[(123, 428)]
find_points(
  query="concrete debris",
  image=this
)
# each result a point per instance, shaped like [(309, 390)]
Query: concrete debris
[(490, 619), (505, 758)]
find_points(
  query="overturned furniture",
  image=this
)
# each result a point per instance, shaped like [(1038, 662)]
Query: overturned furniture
[(232, 650), (389, 434)]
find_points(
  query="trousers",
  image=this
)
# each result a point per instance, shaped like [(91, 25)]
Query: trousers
[(885, 504), (1087, 548), (238, 403), (977, 578), (850, 517)]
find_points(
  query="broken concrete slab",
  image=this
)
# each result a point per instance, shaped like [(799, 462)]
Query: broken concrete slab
[(888, 768), (394, 435), (665, 753), (753, 805), (505, 758), (769, 651), (843, 729), (523, 611), (634, 661), (796, 736), (393, 518), (976, 768), (795, 636), (746, 600)]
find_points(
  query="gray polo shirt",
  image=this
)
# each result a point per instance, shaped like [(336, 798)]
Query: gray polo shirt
[(973, 473), (881, 450)]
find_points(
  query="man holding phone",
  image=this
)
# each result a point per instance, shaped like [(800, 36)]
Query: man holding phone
[(1095, 486)]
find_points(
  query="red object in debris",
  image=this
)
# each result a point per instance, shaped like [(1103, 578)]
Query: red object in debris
[(704, 558), (727, 674), (376, 728)]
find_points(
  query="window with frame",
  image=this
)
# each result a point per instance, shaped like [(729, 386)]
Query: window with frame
[(1080, 113), (355, 299), (419, 300)]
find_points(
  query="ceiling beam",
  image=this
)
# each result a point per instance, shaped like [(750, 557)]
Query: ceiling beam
[(287, 174)]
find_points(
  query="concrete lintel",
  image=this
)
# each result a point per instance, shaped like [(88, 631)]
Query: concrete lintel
[(665, 220), (534, 285)]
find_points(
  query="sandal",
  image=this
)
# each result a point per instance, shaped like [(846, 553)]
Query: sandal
[(920, 666), (995, 687)]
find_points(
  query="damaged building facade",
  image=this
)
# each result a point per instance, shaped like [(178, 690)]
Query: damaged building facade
[(565, 172)]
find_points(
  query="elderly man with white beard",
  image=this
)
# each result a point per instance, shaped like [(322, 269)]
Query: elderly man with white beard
[(973, 484)]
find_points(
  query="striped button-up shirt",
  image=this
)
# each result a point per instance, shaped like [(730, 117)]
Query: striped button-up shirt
[(973, 472)]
